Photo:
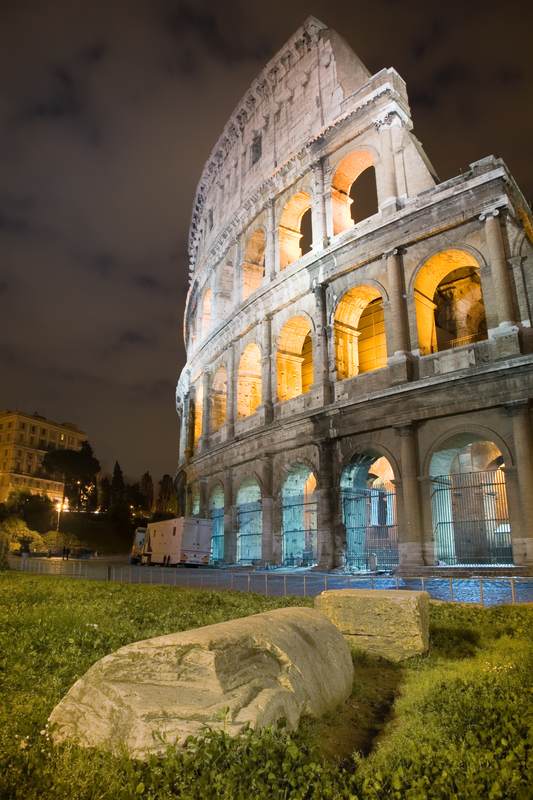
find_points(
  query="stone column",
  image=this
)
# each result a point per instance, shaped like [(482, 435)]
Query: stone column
[(267, 505), (227, 427), (399, 360), (387, 188), (320, 237), (270, 250), (521, 289), (410, 533), (184, 428), (326, 551), (203, 498), (203, 442), (321, 361), (266, 377), (498, 268), (523, 444), (229, 518)]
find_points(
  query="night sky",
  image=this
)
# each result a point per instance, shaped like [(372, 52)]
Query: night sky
[(109, 110)]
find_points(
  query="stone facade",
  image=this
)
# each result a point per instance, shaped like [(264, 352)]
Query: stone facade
[(339, 380)]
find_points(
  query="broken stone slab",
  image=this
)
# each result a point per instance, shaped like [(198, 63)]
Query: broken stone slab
[(388, 623), (284, 663)]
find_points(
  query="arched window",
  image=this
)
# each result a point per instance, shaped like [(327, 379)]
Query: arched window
[(198, 413), (299, 517), (206, 313), (360, 342), (469, 502), (249, 522), (216, 513), (219, 391), (249, 382), (353, 191), (253, 268), (295, 359), (449, 302), (290, 229)]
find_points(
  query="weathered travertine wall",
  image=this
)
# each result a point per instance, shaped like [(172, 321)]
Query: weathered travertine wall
[(400, 337)]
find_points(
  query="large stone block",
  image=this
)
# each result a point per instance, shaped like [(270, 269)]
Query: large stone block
[(282, 663), (393, 624)]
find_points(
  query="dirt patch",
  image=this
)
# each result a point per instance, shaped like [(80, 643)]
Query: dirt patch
[(354, 726)]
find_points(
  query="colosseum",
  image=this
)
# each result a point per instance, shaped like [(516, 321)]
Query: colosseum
[(358, 334)]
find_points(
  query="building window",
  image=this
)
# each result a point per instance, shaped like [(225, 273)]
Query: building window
[(22, 426), (8, 424), (43, 432), (28, 469), (32, 429)]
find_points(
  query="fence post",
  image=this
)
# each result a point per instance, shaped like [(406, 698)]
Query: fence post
[(371, 583), (451, 591), (174, 576), (396, 579), (325, 583), (162, 576), (512, 589), (305, 585), (284, 586), (140, 572), (151, 575), (481, 591), (348, 580), (266, 584), (232, 581), (188, 578), (216, 579), (248, 583), (201, 579), (423, 585)]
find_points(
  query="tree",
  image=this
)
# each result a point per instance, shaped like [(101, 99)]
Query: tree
[(147, 490), (166, 495), (118, 486), (37, 510), (104, 494), (76, 469), (119, 509)]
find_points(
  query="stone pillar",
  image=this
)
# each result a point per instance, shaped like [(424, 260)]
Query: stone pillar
[(327, 556), (270, 250), (320, 237), (321, 387), (203, 441), (204, 513), (266, 377), (227, 427), (516, 264), (498, 267), (428, 538), (184, 428), (387, 188), (267, 505), (523, 444), (399, 361), (190, 432), (410, 530), (229, 518)]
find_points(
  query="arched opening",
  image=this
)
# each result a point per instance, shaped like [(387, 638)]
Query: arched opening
[(360, 340), (299, 545), (346, 191), (295, 359), (216, 513), (249, 382), (469, 502), (206, 313), (253, 267), (198, 414), (290, 229), (449, 302), (249, 522), (369, 513), (225, 290), (219, 392)]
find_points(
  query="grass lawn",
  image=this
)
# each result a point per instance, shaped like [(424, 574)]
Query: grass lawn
[(455, 723)]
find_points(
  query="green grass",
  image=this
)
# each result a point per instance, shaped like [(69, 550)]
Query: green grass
[(461, 725)]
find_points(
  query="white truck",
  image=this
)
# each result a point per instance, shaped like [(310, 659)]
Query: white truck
[(184, 540), (138, 545)]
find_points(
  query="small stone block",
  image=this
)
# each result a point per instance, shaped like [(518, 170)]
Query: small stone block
[(388, 623)]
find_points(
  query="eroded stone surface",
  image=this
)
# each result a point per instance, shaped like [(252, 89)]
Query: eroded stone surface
[(389, 623), (282, 663)]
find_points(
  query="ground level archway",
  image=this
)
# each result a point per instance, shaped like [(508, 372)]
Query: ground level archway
[(299, 517), (216, 513), (249, 522), (368, 499)]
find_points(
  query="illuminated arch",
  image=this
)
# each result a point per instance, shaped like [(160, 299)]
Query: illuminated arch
[(360, 341), (346, 174), (253, 268), (290, 232), (294, 359), (219, 394), (198, 413), (299, 523), (249, 521), (449, 302), (216, 513), (206, 313), (249, 382)]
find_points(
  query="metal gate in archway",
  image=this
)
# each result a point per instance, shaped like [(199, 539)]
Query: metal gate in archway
[(470, 518), (217, 543), (299, 530), (369, 516), (249, 523)]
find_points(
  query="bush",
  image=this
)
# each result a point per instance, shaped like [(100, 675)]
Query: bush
[(4, 551), (19, 535)]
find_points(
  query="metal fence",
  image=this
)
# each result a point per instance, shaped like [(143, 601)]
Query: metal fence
[(470, 518), (369, 516), (249, 521), (299, 539), (487, 591)]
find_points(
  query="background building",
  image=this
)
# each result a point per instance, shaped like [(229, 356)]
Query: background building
[(360, 358), (24, 440)]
